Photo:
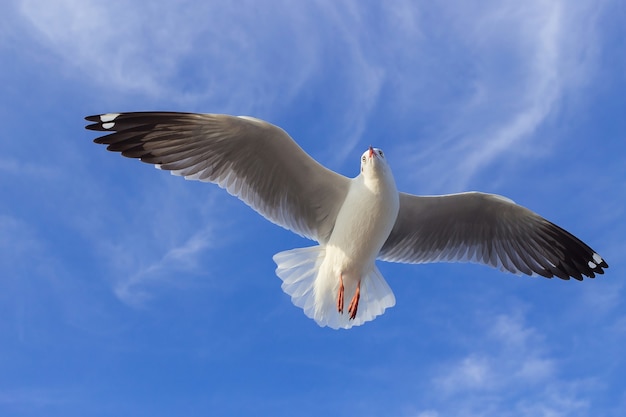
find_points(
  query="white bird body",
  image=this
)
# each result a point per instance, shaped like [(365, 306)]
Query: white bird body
[(363, 224), (356, 239), (355, 221)]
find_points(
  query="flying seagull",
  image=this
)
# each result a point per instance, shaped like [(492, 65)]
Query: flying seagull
[(354, 220)]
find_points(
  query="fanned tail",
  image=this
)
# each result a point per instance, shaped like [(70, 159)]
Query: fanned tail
[(313, 287), (298, 268)]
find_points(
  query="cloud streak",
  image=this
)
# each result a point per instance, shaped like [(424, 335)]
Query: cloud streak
[(510, 373), (149, 49), (517, 359), (543, 88), (116, 44), (523, 61), (169, 269)]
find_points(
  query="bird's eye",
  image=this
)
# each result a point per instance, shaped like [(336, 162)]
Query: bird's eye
[(380, 152), (363, 159)]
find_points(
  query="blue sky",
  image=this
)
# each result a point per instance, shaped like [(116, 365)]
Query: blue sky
[(127, 291)]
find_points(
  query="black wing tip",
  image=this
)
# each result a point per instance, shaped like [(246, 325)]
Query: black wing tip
[(597, 265), (93, 118), (125, 132), (95, 126), (576, 260), (103, 122), (119, 121)]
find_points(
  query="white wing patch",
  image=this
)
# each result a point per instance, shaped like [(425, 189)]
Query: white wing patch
[(107, 120)]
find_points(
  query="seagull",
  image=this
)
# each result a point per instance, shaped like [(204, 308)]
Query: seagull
[(355, 221)]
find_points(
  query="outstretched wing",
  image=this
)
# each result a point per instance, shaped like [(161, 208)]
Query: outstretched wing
[(487, 229), (252, 159)]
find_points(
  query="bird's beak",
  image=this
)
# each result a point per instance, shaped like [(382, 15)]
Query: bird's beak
[(371, 151)]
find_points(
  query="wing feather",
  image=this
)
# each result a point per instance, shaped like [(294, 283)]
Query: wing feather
[(252, 159), (487, 229)]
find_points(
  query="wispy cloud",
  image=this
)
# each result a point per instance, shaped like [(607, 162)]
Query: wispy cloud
[(25, 268), (167, 271), (19, 168), (149, 48), (154, 239), (365, 78), (125, 47), (512, 373), (514, 64), (542, 29), (522, 60), (40, 285), (246, 59), (518, 358)]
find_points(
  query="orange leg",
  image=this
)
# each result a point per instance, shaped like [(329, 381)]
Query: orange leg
[(340, 295), (354, 304)]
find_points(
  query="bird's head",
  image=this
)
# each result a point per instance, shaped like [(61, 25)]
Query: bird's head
[(373, 163)]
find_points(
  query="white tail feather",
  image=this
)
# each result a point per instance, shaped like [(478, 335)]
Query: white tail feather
[(313, 287)]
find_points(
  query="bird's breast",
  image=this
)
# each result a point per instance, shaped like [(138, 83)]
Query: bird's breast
[(362, 226)]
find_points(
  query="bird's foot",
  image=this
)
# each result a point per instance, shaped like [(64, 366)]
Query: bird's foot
[(354, 304), (340, 296)]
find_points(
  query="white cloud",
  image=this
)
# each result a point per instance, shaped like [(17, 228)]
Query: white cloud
[(33, 279), (506, 65), (184, 52), (521, 60), (16, 168), (542, 29), (604, 298), (17, 239), (110, 41), (166, 271), (509, 372), (514, 355), (428, 413), (155, 238), (474, 372)]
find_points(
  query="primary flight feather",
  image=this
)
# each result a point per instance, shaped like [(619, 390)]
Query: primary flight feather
[(354, 220)]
